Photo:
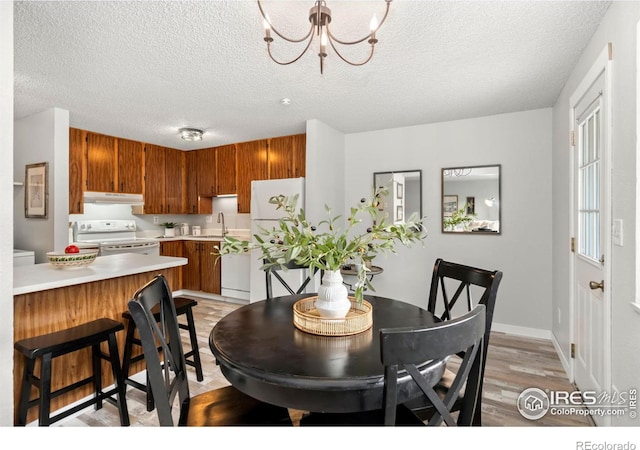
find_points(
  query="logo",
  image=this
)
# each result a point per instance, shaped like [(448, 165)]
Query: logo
[(533, 403)]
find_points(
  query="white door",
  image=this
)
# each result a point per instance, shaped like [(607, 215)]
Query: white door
[(591, 245)]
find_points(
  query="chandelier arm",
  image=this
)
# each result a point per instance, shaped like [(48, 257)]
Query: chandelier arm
[(368, 36), (293, 60), (264, 16), (346, 60)]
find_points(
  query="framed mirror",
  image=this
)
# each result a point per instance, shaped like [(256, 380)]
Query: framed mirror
[(471, 200), (405, 194)]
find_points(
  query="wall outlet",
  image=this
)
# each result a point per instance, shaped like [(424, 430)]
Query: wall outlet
[(156, 220), (209, 219)]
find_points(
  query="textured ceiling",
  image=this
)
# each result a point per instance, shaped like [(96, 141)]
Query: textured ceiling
[(143, 69)]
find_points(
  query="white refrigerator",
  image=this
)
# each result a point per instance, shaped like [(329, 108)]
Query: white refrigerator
[(265, 215)]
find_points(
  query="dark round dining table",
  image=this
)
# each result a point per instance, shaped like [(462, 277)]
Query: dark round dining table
[(264, 355)]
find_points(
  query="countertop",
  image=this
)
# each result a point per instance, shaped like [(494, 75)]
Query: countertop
[(41, 277)]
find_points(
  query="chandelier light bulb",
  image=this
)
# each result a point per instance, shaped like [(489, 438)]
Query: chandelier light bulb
[(373, 25)]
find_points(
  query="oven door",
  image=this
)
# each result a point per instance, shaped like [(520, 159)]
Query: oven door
[(144, 248)]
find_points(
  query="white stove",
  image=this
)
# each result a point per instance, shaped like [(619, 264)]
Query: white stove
[(113, 237)]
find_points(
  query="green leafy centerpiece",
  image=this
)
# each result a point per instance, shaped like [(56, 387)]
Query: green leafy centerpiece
[(327, 247)]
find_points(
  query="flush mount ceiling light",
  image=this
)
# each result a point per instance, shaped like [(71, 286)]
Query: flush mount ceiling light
[(320, 18), (191, 134)]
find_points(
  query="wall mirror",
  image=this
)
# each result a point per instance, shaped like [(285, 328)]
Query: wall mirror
[(471, 200), (405, 194)]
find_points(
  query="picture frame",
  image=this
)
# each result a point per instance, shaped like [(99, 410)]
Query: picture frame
[(399, 213), (400, 191), (36, 193), (449, 205)]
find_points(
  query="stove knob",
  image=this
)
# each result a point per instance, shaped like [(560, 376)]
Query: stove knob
[(83, 226)]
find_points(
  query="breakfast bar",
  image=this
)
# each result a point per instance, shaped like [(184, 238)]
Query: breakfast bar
[(47, 299)]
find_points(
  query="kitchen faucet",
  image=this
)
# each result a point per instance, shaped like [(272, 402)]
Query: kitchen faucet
[(224, 228)]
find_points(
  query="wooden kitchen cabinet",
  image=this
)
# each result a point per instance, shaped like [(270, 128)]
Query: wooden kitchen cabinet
[(77, 169), (154, 179), (130, 166), (251, 158), (206, 172), (226, 170), (101, 162), (195, 203), (287, 156), (173, 248), (175, 192), (202, 273)]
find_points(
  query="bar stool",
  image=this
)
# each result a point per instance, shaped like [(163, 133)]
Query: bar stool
[(184, 306), (48, 346)]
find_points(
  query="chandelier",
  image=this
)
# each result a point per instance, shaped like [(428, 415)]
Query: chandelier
[(320, 18)]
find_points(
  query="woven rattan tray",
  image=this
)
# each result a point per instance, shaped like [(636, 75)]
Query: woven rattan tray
[(306, 318)]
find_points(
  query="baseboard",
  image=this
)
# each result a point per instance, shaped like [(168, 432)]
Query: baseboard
[(521, 331), (201, 294)]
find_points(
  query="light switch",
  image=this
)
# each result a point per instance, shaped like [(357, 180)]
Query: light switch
[(617, 232)]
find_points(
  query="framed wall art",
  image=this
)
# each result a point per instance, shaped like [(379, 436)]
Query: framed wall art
[(449, 204), (36, 193)]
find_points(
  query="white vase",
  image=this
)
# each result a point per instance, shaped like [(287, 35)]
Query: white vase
[(333, 297), (169, 232)]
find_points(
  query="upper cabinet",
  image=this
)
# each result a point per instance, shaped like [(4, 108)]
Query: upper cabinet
[(287, 156), (226, 169), (251, 158), (77, 174), (206, 172), (101, 162), (154, 179), (175, 192), (175, 181), (130, 164)]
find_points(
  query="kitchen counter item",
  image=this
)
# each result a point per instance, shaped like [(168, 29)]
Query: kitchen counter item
[(195, 230), (184, 229), (23, 257), (61, 260)]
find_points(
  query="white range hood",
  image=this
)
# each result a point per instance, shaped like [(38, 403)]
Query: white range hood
[(113, 198)]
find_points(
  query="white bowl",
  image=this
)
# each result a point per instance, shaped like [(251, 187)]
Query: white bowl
[(61, 260)]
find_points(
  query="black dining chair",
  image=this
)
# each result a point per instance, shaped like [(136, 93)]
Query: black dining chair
[(453, 289), (404, 349), (402, 352), (154, 313), (273, 271)]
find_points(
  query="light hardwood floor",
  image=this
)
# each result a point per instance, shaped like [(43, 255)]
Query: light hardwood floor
[(513, 364)]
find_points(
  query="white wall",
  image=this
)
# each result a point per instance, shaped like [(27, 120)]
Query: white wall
[(521, 142), (6, 211), (43, 137), (618, 27)]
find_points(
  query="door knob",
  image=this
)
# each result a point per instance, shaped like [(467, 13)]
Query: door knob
[(596, 285)]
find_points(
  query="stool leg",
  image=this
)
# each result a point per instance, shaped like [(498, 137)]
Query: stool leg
[(128, 345), (194, 345), (45, 390), (25, 391), (118, 378), (97, 375)]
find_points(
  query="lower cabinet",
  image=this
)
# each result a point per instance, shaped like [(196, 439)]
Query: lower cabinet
[(201, 273), (173, 248)]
